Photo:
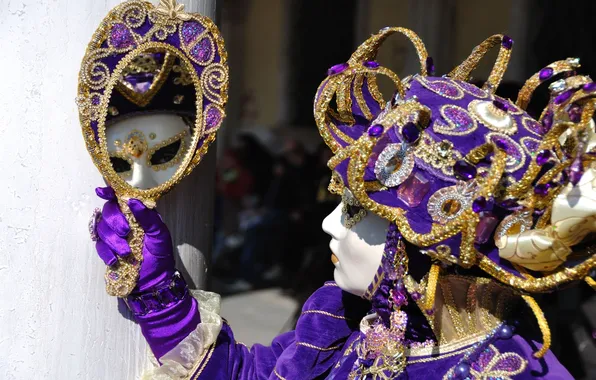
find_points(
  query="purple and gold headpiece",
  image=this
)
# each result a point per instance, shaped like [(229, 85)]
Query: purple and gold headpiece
[(467, 176), (145, 59)]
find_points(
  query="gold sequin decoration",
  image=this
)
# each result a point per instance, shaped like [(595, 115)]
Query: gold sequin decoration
[(176, 159)]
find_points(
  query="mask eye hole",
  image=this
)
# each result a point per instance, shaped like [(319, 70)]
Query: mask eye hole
[(352, 211), (166, 154), (120, 165)]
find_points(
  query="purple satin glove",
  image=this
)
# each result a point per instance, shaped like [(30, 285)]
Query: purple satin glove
[(112, 228), (163, 329)]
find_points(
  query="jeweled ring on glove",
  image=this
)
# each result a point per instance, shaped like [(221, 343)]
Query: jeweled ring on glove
[(93, 224)]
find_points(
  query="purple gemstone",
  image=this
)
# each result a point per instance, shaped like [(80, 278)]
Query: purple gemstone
[(539, 212), (399, 299), (430, 65), (140, 82), (507, 42), (542, 189), (589, 87), (464, 170), (563, 97), (121, 37), (501, 143), (500, 105), (375, 130), (202, 51), (576, 170), (336, 69), (167, 296), (547, 120), (575, 113), (136, 305), (410, 132), (505, 332), (114, 276), (416, 296), (543, 157), (546, 73), (213, 118), (509, 204), (190, 30), (461, 371), (371, 65), (413, 190), (482, 204), (485, 227)]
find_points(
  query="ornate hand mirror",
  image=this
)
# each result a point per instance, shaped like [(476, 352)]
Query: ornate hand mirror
[(152, 91)]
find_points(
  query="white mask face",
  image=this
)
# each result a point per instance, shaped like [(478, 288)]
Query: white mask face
[(147, 150), (357, 251)]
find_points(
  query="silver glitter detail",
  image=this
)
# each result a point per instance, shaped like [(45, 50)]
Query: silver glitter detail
[(462, 193), (93, 224), (394, 165), (573, 62), (558, 86), (523, 217)]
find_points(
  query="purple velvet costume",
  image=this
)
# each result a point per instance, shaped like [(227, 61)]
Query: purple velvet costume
[(468, 333)]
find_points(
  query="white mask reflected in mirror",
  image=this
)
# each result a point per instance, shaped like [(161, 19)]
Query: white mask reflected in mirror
[(147, 150), (358, 250)]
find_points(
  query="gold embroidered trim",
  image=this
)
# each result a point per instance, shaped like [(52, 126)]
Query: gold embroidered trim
[(322, 312), (525, 93), (277, 374), (202, 363), (318, 348)]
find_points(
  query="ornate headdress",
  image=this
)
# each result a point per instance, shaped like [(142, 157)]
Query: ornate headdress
[(145, 59), (467, 177)]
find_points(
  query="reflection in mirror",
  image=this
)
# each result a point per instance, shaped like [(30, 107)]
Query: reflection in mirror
[(150, 119), (147, 150)]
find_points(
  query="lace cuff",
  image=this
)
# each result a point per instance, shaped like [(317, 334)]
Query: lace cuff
[(179, 363)]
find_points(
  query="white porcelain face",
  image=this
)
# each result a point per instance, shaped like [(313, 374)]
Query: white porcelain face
[(356, 251), (147, 150)]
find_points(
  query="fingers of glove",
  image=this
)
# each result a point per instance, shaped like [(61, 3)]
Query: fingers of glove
[(105, 253), (115, 219), (116, 243), (106, 193), (148, 219)]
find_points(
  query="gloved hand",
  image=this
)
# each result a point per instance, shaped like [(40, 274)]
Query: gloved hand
[(163, 327), (158, 265)]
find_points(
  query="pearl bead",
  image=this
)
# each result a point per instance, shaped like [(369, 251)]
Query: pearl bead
[(462, 371), (505, 332)]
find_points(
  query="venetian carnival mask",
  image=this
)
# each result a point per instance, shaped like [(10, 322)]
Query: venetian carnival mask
[(152, 91)]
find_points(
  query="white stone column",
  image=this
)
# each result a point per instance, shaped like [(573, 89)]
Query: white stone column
[(56, 321)]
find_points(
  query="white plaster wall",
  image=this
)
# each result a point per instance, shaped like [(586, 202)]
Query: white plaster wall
[(56, 321)]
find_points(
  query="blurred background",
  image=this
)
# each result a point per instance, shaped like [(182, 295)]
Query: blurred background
[(269, 250)]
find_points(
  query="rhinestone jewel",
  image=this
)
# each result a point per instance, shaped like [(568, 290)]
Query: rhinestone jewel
[(394, 165), (500, 105), (546, 73), (482, 204), (414, 189), (430, 66), (589, 87), (336, 69), (542, 189), (375, 130), (558, 86), (464, 170), (485, 227), (543, 157), (371, 65), (507, 42), (573, 62), (448, 203), (410, 132), (563, 97), (93, 224)]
